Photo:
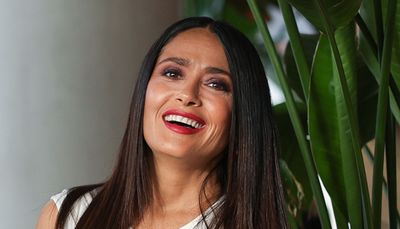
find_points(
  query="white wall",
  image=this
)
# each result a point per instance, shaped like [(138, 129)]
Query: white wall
[(67, 70)]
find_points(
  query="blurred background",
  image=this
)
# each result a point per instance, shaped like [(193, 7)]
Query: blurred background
[(67, 71)]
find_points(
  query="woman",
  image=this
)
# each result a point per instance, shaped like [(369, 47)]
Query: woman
[(200, 148)]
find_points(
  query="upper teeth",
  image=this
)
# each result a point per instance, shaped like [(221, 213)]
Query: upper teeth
[(187, 121)]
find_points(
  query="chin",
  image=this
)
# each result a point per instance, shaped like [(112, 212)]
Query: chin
[(174, 153), (183, 155)]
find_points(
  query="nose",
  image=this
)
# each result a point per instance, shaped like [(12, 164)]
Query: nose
[(189, 94)]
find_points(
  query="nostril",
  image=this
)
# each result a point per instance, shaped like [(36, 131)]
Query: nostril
[(191, 103), (187, 100)]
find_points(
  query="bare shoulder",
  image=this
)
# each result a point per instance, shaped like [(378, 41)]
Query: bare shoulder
[(48, 216)]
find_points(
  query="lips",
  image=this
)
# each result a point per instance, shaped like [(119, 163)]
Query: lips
[(183, 122)]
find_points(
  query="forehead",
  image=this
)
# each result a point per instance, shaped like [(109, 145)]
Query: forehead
[(197, 35), (198, 43)]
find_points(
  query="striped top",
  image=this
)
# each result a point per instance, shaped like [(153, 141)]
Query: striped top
[(83, 202)]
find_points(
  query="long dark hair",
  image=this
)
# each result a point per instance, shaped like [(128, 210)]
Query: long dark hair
[(247, 171)]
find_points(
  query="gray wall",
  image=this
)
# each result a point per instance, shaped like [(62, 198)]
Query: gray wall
[(67, 70)]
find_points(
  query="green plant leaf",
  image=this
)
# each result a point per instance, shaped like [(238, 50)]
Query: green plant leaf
[(381, 121), (329, 124), (294, 193), (368, 14), (340, 12), (290, 153), (322, 124), (395, 63), (372, 63), (211, 8), (341, 220), (367, 98), (309, 42), (294, 116), (370, 57), (391, 171), (297, 47), (240, 19)]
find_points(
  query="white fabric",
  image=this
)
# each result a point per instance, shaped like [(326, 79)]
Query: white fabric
[(83, 202), (78, 209)]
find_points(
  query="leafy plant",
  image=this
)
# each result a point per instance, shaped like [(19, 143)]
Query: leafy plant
[(345, 91)]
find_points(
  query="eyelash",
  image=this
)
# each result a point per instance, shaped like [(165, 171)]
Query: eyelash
[(172, 73), (216, 84)]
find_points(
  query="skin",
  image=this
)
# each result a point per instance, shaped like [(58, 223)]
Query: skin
[(48, 217), (192, 87), (191, 75)]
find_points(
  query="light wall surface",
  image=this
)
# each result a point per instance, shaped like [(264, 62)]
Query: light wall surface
[(67, 71)]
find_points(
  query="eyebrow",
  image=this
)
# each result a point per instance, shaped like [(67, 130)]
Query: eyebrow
[(185, 62), (177, 60), (216, 70)]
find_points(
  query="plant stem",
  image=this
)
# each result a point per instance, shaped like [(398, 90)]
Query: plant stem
[(294, 116), (370, 156), (381, 115), (391, 171), (379, 26), (368, 36), (297, 47), (352, 119), (394, 89), (371, 60)]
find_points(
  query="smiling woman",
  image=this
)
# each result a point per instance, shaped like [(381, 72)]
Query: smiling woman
[(185, 88), (199, 150)]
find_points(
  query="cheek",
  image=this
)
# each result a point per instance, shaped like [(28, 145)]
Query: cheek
[(220, 113), (155, 94), (222, 110), (152, 105), (152, 101), (148, 102), (227, 115)]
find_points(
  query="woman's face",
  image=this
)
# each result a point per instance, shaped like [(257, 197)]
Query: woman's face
[(189, 99)]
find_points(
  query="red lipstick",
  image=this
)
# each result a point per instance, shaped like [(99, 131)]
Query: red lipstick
[(179, 127)]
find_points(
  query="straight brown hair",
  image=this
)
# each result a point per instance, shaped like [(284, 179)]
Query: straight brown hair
[(247, 171)]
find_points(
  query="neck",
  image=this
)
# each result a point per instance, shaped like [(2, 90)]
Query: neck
[(178, 185)]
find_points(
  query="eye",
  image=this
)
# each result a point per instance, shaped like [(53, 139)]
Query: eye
[(218, 85), (172, 73)]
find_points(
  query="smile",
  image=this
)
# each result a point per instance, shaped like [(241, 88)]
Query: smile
[(182, 122)]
